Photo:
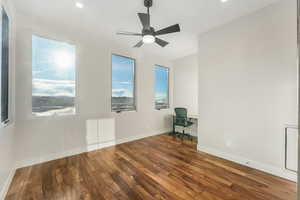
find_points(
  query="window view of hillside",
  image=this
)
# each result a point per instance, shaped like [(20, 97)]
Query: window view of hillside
[(161, 87), (53, 77), (123, 84)]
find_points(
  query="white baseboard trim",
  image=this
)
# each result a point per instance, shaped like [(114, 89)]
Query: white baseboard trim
[(88, 148), (250, 163), (6, 185), (97, 146), (138, 137), (49, 157)]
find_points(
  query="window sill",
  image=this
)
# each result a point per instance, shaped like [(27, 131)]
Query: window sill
[(53, 117), (123, 111), (159, 109)]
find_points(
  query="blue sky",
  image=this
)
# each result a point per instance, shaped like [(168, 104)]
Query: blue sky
[(53, 67), (161, 82), (123, 78), (53, 71)]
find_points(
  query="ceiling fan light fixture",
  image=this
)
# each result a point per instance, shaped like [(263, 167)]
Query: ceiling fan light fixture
[(148, 39)]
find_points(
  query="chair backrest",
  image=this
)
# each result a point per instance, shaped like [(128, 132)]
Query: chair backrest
[(181, 116), (181, 112)]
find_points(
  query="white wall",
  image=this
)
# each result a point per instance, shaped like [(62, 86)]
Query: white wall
[(248, 87), (7, 135), (40, 139), (6, 157), (186, 83)]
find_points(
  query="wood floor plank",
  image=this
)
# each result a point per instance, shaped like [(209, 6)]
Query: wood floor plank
[(153, 168)]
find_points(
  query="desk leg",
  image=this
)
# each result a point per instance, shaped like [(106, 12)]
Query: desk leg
[(173, 123)]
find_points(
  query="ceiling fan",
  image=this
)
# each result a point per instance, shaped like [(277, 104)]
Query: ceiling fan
[(148, 34)]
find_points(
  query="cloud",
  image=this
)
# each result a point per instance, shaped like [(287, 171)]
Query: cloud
[(161, 95), (58, 94), (122, 82), (126, 83), (53, 87), (161, 98), (121, 93)]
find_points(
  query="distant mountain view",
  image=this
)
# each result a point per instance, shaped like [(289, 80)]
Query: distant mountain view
[(45, 105), (122, 103), (161, 103)]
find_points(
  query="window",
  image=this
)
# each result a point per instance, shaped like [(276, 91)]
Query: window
[(53, 77), (5, 68), (161, 87), (123, 84)]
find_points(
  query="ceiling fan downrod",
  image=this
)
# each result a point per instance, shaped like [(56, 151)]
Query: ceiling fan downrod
[(148, 4)]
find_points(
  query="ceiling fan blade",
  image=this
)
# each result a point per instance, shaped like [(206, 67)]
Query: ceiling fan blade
[(161, 42), (139, 44), (145, 19), (171, 29), (128, 33)]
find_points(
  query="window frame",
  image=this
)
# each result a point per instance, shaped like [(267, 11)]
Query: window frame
[(134, 85), (8, 121), (55, 115), (168, 97)]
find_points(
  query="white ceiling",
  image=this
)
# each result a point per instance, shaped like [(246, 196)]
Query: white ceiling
[(103, 18)]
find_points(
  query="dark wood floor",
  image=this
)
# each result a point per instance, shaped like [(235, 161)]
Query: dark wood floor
[(152, 168)]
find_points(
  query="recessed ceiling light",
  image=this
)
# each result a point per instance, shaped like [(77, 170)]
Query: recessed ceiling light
[(223, 1), (79, 5)]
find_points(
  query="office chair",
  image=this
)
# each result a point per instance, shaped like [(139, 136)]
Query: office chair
[(181, 119)]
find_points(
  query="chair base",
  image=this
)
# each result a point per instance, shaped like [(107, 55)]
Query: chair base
[(182, 135)]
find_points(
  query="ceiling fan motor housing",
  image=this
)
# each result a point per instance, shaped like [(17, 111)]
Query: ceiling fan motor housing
[(148, 31), (148, 3)]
